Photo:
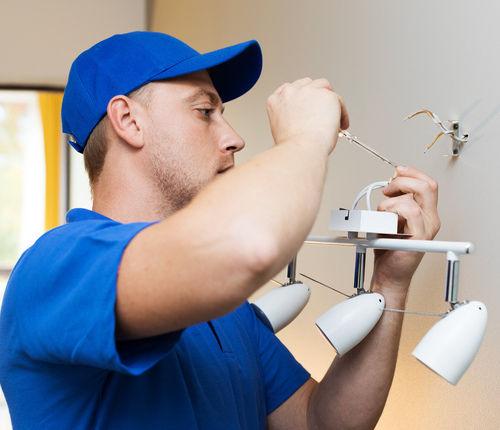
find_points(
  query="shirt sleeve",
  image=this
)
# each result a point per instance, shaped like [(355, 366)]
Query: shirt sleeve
[(65, 291), (283, 374)]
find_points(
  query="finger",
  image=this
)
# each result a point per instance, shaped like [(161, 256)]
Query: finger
[(418, 222), (344, 115), (423, 192), (413, 181), (299, 83), (322, 83), (411, 172), (407, 208)]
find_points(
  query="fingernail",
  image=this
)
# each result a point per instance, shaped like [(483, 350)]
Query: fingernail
[(402, 169)]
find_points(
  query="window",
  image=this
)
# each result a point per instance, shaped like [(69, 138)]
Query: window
[(33, 175), (33, 195)]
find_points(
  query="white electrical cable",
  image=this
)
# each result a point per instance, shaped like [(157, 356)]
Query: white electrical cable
[(367, 191)]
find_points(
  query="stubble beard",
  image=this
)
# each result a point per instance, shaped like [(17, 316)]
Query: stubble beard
[(176, 186)]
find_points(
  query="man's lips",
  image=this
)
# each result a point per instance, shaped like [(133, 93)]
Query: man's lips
[(225, 169)]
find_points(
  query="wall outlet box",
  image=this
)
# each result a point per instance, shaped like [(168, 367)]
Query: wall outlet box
[(364, 221)]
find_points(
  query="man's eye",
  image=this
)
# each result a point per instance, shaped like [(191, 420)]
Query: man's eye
[(206, 112)]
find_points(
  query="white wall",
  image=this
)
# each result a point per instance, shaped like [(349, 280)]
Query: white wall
[(387, 59), (40, 39)]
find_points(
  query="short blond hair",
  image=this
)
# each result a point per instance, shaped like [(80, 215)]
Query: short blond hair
[(94, 154)]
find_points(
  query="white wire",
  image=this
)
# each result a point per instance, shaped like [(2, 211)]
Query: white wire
[(367, 191)]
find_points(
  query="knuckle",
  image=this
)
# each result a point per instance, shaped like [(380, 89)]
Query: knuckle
[(415, 211), (434, 185), (410, 207), (270, 104), (430, 186), (407, 199), (324, 81)]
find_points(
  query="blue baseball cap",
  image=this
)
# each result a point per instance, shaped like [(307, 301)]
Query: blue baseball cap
[(125, 62)]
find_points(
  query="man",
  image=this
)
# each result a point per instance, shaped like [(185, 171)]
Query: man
[(117, 320)]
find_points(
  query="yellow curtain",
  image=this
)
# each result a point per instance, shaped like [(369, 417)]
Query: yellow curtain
[(50, 109)]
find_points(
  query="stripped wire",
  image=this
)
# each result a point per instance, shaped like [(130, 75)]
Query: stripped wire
[(439, 123)]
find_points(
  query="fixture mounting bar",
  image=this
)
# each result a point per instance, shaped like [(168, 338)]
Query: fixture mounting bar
[(395, 244)]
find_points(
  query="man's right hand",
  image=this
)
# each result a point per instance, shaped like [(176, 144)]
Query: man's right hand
[(307, 108)]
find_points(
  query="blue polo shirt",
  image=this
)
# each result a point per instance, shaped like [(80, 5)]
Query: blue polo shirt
[(60, 367)]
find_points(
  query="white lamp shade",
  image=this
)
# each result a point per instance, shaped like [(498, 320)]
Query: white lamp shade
[(450, 346), (348, 323), (279, 307)]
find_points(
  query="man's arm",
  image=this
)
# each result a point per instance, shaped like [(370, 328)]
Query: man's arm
[(209, 257), (354, 390)]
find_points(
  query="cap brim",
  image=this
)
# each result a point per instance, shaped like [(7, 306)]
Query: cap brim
[(234, 70)]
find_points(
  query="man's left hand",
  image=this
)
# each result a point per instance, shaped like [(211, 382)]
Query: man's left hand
[(413, 196)]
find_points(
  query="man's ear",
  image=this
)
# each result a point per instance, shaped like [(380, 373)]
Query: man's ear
[(125, 117)]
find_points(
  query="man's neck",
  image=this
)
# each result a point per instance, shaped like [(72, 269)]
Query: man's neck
[(128, 203)]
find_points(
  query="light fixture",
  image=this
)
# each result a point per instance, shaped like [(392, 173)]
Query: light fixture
[(450, 346), (280, 306), (348, 323)]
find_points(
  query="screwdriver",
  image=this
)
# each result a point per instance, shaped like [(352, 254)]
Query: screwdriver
[(354, 139)]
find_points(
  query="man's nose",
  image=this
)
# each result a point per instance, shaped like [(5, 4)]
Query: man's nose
[(230, 141)]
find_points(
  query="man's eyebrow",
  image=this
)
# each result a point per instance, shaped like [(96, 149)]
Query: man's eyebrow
[(212, 96)]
